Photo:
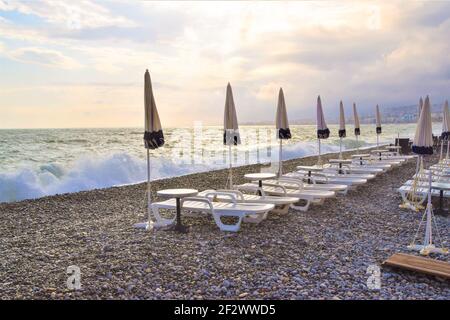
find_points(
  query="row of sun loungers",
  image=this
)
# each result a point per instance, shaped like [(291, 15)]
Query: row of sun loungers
[(414, 192), (251, 202)]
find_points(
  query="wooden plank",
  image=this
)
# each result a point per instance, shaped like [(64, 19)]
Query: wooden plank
[(419, 264)]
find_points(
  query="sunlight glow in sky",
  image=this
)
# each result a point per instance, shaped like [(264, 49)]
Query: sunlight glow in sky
[(82, 63)]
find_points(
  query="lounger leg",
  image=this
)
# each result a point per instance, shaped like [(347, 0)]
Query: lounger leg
[(403, 194), (227, 227), (424, 197), (281, 209), (318, 201), (301, 208), (160, 221), (255, 218), (406, 200)]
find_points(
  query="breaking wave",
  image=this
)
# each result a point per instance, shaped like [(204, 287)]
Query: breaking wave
[(93, 172)]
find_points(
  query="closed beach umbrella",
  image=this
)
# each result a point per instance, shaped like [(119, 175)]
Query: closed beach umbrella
[(153, 136), (445, 135), (322, 130), (282, 126), (357, 126), (231, 129), (423, 138), (342, 132), (378, 129)]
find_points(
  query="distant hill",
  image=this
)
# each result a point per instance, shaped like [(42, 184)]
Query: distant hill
[(398, 114), (405, 114)]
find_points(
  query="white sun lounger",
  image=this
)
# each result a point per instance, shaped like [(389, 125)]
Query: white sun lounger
[(395, 155), (372, 164), (282, 204), (435, 177), (320, 178), (444, 169), (425, 183), (331, 174), (358, 169), (290, 182), (275, 189), (402, 158), (366, 169), (391, 158), (247, 212), (420, 191), (394, 163), (336, 172)]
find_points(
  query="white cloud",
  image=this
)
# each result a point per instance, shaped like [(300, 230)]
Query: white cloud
[(43, 56), (71, 15)]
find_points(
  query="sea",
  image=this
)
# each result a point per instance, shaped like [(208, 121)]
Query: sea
[(40, 162)]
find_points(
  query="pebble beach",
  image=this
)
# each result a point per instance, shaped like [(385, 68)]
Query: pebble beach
[(323, 253)]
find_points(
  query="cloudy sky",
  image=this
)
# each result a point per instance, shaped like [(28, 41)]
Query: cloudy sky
[(82, 63)]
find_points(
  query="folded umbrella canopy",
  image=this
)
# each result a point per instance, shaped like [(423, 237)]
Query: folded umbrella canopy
[(342, 132), (282, 126), (153, 136), (231, 129), (378, 129), (322, 130), (423, 138), (445, 135), (357, 126)]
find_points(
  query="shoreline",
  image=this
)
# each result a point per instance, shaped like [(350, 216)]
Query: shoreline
[(319, 254), (252, 164), (349, 151)]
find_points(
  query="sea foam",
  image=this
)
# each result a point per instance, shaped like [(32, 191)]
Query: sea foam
[(94, 172)]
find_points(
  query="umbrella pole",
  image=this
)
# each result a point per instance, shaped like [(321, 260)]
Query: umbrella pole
[(230, 177), (448, 147), (428, 232), (357, 143), (419, 165), (340, 148), (280, 166), (378, 140), (442, 150), (149, 195), (319, 160), (148, 225)]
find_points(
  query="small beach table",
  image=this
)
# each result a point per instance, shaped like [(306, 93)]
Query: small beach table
[(310, 169), (379, 151), (340, 162), (441, 186), (361, 157), (178, 194), (260, 176)]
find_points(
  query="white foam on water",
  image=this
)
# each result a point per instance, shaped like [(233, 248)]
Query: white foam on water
[(85, 174), (93, 172)]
